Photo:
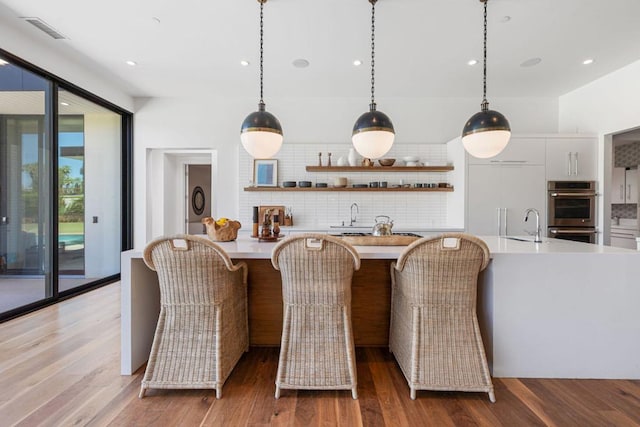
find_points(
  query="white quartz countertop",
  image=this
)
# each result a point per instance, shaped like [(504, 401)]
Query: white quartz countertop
[(248, 247)]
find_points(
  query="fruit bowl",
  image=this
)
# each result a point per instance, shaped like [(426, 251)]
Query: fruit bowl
[(386, 162)]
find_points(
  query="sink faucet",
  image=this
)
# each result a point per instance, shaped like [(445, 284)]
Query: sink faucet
[(537, 238), (353, 216)]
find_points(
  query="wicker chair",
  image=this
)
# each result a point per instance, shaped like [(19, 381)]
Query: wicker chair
[(317, 350), (434, 333), (202, 329)]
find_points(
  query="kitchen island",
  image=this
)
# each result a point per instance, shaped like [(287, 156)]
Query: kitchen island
[(556, 309)]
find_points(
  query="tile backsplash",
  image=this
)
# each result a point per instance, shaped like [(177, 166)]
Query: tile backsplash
[(319, 210), (629, 210)]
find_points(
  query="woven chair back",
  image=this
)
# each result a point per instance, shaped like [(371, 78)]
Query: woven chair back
[(443, 270), (191, 270), (315, 269)]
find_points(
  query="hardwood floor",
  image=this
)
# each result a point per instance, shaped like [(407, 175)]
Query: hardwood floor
[(60, 366)]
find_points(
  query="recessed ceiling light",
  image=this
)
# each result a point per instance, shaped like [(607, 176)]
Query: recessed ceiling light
[(587, 61), (505, 18), (244, 63), (531, 62), (3, 62), (472, 62), (155, 19), (357, 63), (300, 63), (131, 63), (66, 104)]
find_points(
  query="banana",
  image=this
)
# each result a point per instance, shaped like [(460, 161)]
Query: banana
[(222, 221)]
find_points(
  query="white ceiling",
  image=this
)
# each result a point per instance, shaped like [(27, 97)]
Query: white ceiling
[(421, 46)]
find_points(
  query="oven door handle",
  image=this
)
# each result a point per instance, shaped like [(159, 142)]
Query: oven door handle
[(569, 231), (572, 194)]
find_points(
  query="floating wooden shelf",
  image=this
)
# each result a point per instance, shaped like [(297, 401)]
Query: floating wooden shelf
[(437, 189), (443, 168)]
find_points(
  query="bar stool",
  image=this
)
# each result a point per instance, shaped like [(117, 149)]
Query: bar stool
[(434, 333), (317, 350), (203, 327)]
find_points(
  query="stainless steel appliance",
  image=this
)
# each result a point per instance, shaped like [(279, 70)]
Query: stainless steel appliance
[(571, 210)]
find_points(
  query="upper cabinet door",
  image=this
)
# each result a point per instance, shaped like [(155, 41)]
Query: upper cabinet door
[(618, 189), (571, 159), (631, 183), (519, 151)]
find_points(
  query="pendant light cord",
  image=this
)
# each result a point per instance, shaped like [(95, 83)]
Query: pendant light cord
[(485, 103), (261, 48), (373, 53)]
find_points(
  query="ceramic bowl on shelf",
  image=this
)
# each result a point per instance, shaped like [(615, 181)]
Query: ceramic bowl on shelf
[(386, 162), (340, 182), (411, 160), (288, 184), (304, 184)]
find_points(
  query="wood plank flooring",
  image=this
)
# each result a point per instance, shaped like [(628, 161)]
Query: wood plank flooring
[(60, 367)]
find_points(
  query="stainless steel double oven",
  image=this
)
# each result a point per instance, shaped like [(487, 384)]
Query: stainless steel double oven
[(571, 211)]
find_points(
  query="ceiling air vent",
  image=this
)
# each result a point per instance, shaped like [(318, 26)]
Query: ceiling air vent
[(43, 26)]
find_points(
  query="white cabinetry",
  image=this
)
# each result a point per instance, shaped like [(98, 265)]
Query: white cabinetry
[(571, 158), (631, 185), (618, 187), (499, 190), (624, 186)]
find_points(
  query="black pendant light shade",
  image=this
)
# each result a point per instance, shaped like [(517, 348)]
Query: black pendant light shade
[(487, 132), (373, 132), (261, 133)]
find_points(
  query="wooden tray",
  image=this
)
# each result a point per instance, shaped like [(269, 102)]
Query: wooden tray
[(379, 240)]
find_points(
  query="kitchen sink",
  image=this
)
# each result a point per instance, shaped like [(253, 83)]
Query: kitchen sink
[(371, 234)]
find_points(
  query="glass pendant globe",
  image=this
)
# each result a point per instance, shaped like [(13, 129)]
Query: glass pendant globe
[(486, 144), (261, 144), (373, 144)]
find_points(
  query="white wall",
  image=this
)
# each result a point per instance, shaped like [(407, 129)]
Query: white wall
[(34, 49), (605, 106), (102, 194), (207, 123)]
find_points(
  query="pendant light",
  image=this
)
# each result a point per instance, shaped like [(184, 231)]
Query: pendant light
[(486, 133), (261, 133), (373, 132)]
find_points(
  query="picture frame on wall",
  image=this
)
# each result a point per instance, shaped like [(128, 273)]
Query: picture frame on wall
[(265, 172)]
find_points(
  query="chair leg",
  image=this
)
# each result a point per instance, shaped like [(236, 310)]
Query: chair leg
[(219, 392), (277, 392), (142, 392), (354, 393), (492, 397), (413, 393)]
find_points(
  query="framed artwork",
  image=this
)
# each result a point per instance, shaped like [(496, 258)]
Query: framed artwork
[(265, 172)]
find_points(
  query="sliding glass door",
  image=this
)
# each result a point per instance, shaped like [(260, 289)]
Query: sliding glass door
[(62, 220), (89, 191)]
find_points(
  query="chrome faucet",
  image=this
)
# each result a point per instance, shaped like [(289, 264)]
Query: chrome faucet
[(353, 216), (537, 238)]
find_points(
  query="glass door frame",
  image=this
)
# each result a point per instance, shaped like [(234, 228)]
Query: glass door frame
[(55, 84)]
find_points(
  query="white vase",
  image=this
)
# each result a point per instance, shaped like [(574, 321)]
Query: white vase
[(342, 161), (353, 157)]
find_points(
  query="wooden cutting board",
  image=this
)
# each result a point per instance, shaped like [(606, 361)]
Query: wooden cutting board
[(379, 240)]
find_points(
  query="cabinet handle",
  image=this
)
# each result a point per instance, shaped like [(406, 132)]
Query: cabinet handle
[(575, 155), (506, 231), (629, 192), (622, 195), (568, 164), (499, 218)]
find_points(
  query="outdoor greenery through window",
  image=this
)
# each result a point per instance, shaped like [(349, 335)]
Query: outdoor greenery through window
[(73, 228)]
